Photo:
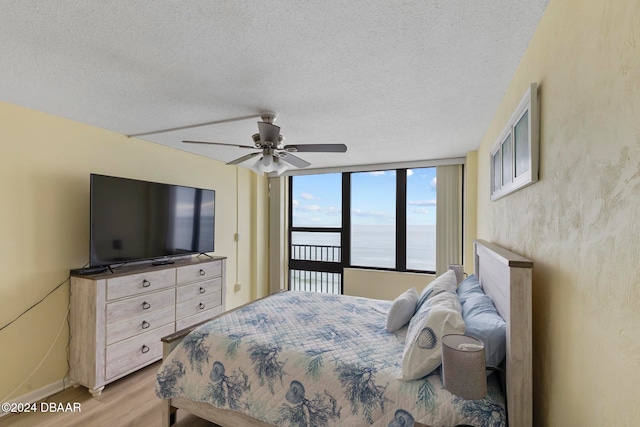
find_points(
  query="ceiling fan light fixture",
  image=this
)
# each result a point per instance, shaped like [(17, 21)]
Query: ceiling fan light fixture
[(281, 166), (256, 167), (256, 139), (268, 164)]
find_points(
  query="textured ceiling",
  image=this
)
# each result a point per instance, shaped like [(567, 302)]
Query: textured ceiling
[(393, 80)]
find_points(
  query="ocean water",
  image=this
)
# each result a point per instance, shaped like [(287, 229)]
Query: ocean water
[(374, 246)]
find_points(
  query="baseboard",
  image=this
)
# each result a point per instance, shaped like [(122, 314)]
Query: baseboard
[(41, 393)]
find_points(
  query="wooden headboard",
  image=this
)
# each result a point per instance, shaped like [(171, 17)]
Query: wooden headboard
[(506, 278)]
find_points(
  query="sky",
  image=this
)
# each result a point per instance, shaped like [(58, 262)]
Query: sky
[(317, 198)]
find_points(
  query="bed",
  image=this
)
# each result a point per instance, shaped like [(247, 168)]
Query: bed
[(339, 366)]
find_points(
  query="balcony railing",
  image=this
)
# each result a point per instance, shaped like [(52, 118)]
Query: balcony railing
[(315, 268), (316, 253), (315, 281)]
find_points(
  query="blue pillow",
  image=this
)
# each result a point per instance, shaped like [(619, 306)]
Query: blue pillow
[(469, 287), (483, 322)]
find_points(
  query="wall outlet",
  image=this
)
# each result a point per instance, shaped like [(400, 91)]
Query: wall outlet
[(237, 287)]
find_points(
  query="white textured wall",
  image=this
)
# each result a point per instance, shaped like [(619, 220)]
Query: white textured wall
[(581, 222)]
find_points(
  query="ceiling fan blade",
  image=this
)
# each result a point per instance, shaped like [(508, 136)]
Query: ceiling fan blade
[(316, 148), (268, 132), (244, 158), (293, 160), (221, 143)]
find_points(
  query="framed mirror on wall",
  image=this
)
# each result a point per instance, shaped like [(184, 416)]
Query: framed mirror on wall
[(515, 155)]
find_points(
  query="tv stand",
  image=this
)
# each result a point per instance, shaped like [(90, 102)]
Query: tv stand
[(117, 319)]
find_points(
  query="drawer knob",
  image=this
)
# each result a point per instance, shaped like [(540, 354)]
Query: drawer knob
[(145, 324), (146, 305), (145, 349), (202, 272), (146, 283), (202, 290), (201, 306)]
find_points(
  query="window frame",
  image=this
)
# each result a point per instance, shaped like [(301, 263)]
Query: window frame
[(498, 186), (345, 229)]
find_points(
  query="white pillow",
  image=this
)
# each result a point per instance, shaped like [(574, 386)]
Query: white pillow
[(438, 316), (402, 310), (446, 282)]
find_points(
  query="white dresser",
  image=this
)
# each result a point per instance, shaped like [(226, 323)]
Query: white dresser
[(117, 319)]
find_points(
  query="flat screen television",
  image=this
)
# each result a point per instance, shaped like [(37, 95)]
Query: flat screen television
[(134, 220)]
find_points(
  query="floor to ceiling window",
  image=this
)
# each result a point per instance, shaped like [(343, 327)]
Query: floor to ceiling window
[(377, 219), (315, 234), (421, 219), (373, 219)]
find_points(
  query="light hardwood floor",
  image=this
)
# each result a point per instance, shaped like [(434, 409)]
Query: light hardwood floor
[(130, 401)]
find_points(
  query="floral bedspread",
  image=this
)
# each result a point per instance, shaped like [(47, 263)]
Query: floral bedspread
[(312, 359)]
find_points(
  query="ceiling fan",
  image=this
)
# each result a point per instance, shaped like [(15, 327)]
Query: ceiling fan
[(274, 155)]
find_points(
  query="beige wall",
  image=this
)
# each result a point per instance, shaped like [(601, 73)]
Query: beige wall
[(581, 222), (380, 284), (45, 162)]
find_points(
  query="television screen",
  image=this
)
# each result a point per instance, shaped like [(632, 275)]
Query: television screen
[(134, 220)]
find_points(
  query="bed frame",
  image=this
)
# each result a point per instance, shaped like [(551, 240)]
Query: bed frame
[(504, 276)]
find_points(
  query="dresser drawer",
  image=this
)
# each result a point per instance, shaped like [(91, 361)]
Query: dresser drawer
[(134, 284), (196, 305), (135, 352), (117, 320), (199, 317), (133, 307), (203, 271), (199, 289), (148, 321)]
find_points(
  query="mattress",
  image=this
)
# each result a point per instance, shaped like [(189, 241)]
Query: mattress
[(313, 359)]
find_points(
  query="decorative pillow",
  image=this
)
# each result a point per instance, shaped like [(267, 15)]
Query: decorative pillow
[(469, 287), (438, 316), (402, 310), (446, 282), (483, 322)]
